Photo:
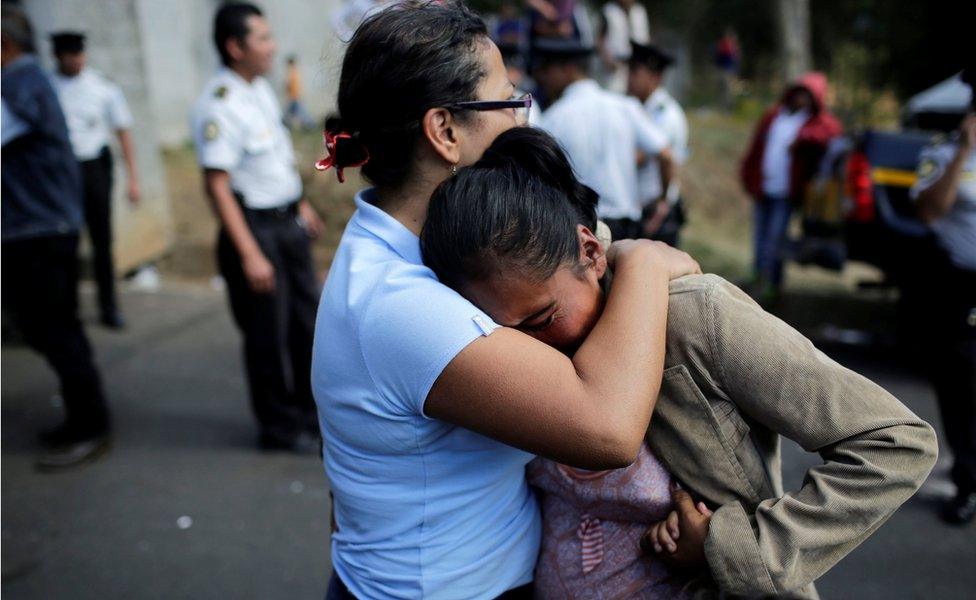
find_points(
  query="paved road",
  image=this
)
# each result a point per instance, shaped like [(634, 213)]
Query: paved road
[(259, 522)]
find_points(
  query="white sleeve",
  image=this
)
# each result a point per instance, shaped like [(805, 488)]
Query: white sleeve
[(932, 161), (679, 141), (219, 139), (650, 138), (119, 116)]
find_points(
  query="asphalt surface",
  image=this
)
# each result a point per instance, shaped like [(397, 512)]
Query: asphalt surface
[(185, 506)]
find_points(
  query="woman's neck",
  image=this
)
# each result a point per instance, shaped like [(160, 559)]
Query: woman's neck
[(408, 203)]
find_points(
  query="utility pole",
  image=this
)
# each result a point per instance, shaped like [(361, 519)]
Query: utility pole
[(793, 17)]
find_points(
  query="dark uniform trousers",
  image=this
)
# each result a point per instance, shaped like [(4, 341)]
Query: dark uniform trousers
[(96, 177), (277, 327), (952, 367), (40, 289)]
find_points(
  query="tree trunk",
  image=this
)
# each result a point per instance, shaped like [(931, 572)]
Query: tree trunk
[(793, 17)]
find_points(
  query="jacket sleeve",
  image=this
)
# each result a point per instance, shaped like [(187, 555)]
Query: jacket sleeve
[(876, 452), (750, 169)]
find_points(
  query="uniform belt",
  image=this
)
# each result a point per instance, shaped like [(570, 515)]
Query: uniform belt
[(285, 211)]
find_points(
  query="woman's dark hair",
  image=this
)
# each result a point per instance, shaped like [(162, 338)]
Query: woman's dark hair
[(400, 63), (231, 22), (516, 208)]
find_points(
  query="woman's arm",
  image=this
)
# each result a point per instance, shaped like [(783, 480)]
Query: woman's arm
[(937, 199), (876, 453), (590, 411)]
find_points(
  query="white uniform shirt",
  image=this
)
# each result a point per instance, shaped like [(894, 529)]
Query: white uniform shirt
[(94, 109), (601, 132), (956, 230), (237, 127), (777, 160), (667, 114)]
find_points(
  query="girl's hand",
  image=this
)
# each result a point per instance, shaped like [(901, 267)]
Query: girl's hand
[(675, 262), (679, 540)]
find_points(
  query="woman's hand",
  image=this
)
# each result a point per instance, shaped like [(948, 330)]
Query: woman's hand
[(674, 261)]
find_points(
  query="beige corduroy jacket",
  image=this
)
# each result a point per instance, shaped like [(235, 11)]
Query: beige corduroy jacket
[(735, 379)]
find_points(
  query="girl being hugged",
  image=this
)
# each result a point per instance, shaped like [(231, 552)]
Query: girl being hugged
[(513, 233), (429, 409)]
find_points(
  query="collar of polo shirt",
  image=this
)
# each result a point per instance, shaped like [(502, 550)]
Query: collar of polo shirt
[(386, 228)]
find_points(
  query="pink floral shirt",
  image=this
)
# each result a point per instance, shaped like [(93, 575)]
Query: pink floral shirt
[(592, 525)]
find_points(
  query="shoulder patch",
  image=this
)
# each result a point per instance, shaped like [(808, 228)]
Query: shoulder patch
[(211, 131), (926, 168), (220, 92)]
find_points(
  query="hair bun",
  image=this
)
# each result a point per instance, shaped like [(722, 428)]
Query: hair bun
[(344, 148)]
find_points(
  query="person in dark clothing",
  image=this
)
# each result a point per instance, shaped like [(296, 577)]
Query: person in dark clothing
[(945, 197), (42, 214)]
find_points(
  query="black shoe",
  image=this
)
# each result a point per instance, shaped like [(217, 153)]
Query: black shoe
[(74, 453), (67, 433), (112, 319), (301, 443), (961, 509)]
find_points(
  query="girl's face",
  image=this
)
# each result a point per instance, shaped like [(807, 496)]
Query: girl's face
[(481, 129), (560, 310)]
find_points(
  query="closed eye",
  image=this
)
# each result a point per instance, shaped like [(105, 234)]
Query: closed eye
[(541, 326)]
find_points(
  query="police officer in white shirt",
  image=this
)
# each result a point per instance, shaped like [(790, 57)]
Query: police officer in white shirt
[(264, 245), (95, 109), (945, 195), (603, 133), (663, 211)]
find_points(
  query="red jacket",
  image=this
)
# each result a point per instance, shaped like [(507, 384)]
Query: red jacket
[(807, 150)]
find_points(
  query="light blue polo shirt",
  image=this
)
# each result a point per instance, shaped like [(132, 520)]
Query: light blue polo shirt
[(424, 508)]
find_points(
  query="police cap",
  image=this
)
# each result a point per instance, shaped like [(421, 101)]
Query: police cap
[(70, 42), (651, 57)]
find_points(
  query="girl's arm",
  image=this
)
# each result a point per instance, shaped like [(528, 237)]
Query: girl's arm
[(590, 411)]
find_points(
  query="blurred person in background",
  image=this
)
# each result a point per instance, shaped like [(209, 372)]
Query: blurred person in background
[(663, 213), (945, 195), (623, 21), (728, 56), (509, 27), (782, 157), (95, 109), (346, 19), (266, 227), (552, 19), (601, 131), (42, 215), (296, 110)]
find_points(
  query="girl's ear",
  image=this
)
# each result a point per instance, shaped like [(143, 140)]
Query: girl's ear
[(439, 129), (592, 254)]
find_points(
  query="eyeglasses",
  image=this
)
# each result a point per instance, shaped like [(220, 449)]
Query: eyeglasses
[(520, 105)]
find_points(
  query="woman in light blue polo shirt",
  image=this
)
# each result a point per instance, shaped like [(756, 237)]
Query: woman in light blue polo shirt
[(429, 410)]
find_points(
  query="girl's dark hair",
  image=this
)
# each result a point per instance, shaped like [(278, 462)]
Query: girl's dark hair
[(401, 62), (516, 208)]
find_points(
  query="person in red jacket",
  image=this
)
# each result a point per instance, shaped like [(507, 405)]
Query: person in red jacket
[(783, 155)]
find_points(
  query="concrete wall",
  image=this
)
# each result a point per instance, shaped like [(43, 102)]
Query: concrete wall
[(115, 47), (161, 53), (180, 56)]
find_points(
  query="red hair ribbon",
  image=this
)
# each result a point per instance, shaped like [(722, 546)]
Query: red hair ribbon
[(330, 161)]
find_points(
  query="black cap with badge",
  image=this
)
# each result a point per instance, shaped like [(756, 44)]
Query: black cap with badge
[(560, 50), (652, 57), (68, 42)]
